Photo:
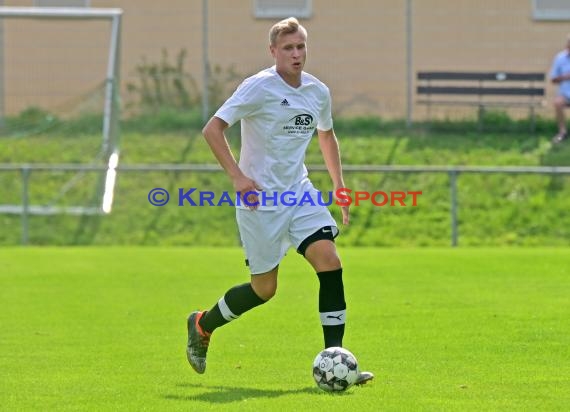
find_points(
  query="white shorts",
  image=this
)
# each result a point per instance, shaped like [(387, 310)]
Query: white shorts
[(266, 235)]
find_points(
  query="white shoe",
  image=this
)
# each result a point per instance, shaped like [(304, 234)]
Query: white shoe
[(363, 378)]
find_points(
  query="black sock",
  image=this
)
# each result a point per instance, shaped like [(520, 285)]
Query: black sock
[(235, 302), (332, 306)]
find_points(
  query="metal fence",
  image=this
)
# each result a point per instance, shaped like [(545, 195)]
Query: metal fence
[(27, 209)]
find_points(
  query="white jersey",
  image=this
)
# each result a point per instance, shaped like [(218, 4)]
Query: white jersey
[(277, 124)]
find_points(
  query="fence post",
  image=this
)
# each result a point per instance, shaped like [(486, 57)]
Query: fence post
[(453, 191), (205, 64), (25, 203), (409, 63)]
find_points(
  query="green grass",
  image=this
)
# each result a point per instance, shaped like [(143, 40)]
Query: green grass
[(494, 210), (464, 329)]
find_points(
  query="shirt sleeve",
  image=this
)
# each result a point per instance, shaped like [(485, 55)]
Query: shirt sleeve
[(555, 70), (325, 116), (246, 100)]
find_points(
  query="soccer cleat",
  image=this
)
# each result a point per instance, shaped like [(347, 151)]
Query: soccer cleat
[(198, 342), (363, 378)]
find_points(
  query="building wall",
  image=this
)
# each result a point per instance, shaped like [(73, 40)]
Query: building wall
[(358, 48)]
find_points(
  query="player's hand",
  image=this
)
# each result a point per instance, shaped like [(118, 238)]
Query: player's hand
[(246, 186), (345, 210), (345, 215)]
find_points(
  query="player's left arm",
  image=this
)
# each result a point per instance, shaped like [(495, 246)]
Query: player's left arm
[(331, 155)]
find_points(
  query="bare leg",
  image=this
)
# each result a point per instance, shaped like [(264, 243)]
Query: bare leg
[(322, 256), (265, 284), (559, 105)]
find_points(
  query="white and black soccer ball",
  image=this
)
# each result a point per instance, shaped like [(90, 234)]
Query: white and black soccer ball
[(335, 369)]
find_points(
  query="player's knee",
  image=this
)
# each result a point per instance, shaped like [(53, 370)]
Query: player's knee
[(332, 261), (265, 290), (326, 259)]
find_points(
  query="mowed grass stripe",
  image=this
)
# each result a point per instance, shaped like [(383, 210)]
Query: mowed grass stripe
[(443, 329)]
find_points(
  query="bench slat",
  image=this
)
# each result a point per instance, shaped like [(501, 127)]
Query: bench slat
[(487, 91), (478, 104), (482, 76)]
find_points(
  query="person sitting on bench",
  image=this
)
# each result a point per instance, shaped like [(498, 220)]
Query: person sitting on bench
[(560, 75)]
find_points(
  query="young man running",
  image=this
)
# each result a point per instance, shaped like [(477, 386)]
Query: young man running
[(279, 109)]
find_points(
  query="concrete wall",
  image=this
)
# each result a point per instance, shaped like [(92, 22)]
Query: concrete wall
[(357, 47)]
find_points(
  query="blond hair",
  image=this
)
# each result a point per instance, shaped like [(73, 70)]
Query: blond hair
[(286, 26)]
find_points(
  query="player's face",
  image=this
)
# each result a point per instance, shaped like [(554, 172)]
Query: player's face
[(290, 53)]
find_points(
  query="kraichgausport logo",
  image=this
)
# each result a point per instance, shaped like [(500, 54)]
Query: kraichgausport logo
[(341, 197)]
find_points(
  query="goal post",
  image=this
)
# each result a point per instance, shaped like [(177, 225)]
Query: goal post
[(109, 151)]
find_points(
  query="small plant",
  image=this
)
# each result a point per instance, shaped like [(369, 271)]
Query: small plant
[(162, 85), (166, 86), (220, 82)]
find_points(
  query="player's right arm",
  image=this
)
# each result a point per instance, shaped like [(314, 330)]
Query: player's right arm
[(214, 134), (244, 102)]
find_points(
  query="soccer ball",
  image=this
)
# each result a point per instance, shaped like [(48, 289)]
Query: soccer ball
[(335, 369)]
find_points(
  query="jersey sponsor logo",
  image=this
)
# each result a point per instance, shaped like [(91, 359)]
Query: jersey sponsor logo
[(304, 119), (300, 125)]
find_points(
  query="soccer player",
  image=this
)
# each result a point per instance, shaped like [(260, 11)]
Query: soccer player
[(560, 75), (279, 109)]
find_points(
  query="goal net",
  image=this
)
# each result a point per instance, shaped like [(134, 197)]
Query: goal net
[(59, 109)]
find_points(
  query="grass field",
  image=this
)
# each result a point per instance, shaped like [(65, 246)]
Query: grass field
[(443, 329)]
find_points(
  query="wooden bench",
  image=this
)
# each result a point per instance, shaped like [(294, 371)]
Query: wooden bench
[(481, 90)]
